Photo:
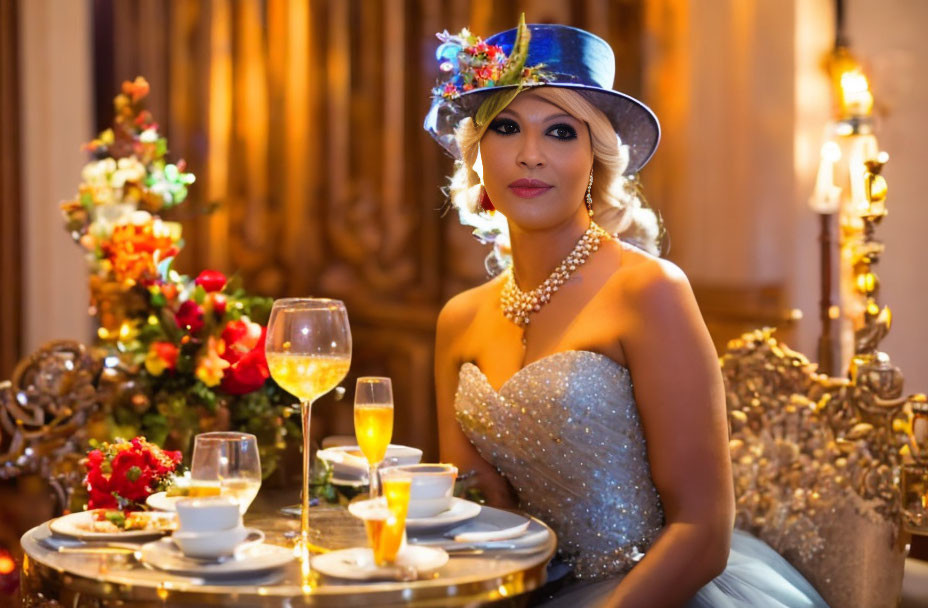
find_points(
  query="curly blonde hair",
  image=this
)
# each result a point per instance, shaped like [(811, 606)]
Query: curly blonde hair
[(618, 205)]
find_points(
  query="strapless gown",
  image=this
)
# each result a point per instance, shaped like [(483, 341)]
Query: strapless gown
[(565, 432)]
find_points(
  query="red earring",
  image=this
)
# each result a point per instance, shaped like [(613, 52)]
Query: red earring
[(485, 203)]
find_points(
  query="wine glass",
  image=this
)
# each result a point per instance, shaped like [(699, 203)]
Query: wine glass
[(230, 462), (373, 423), (308, 350)]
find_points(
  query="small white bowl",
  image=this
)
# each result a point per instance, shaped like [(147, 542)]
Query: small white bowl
[(210, 544), (212, 514), (431, 489)]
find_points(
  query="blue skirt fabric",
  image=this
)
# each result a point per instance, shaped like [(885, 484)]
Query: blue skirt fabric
[(756, 577)]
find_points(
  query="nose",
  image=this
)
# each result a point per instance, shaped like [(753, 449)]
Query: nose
[(530, 154)]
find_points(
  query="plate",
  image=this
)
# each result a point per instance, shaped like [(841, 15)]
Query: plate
[(160, 501), (349, 465), (460, 511), (164, 555), (80, 525), (358, 563), (491, 529)]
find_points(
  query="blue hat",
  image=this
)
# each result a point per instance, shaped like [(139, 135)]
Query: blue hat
[(559, 56)]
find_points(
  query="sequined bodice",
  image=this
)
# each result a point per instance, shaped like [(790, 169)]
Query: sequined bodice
[(565, 432)]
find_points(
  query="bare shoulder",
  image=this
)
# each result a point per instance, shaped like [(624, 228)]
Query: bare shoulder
[(649, 283)]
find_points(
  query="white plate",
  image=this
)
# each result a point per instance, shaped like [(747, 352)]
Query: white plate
[(164, 555), (80, 525), (358, 563), (349, 464), (491, 529), (160, 501), (460, 511)]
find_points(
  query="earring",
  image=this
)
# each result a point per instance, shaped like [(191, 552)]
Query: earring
[(589, 195), (485, 203)]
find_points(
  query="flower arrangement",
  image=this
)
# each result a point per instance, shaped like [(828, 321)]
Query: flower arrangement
[(181, 355), (470, 63), (121, 475)]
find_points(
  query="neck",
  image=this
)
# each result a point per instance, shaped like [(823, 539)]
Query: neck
[(536, 253)]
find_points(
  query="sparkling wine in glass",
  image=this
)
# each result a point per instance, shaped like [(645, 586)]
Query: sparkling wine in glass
[(229, 462), (308, 352), (373, 423)]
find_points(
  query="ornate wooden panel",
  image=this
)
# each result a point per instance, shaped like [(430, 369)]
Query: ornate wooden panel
[(10, 214)]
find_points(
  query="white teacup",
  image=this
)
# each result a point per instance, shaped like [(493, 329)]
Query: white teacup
[(211, 514), (431, 489), (212, 544)]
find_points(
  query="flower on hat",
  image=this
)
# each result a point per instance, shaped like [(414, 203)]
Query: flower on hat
[(470, 63)]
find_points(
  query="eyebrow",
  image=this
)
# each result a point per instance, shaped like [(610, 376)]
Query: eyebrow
[(546, 119)]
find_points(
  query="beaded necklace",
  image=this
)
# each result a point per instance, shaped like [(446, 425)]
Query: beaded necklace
[(517, 305)]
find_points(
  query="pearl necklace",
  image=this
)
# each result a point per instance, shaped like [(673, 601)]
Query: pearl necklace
[(517, 305)]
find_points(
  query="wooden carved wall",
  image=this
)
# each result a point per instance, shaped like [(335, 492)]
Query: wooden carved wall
[(302, 121), (10, 206)]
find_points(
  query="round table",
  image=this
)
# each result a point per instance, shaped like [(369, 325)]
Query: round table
[(50, 578)]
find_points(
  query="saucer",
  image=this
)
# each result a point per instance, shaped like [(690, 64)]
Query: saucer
[(164, 555), (460, 511), (160, 501), (358, 563), (349, 465)]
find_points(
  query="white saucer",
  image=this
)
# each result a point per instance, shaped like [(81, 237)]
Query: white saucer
[(80, 525), (358, 563), (160, 501), (349, 465), (164, 555), (460, 511)]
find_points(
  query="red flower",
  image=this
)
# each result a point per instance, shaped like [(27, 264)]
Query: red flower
[(190, 316), (211, 280), (245, 352)]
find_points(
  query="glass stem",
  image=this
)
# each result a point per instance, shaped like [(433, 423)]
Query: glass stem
[(374, 481), (305, 410)]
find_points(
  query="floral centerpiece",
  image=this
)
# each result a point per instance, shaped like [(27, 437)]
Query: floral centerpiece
[(182, 355), (121, 475)]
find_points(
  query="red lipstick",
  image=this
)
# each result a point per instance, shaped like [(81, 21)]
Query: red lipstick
[(529, 188)]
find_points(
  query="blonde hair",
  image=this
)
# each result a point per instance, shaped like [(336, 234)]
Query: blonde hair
[(617, 202)]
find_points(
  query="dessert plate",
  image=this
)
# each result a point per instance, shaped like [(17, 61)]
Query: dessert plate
[(164, 555), (80, 525), (358, 563), (349, 465), (491, 529)]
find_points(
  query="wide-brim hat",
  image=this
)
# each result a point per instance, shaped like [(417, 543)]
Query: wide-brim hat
[(571, 58)]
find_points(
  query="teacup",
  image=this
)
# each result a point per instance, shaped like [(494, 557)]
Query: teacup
[(432, 487), (212, 544), (211, 514)]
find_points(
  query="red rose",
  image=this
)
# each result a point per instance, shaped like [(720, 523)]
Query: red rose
[(245, 351), (219, 302), (211, 280), (190, 316)]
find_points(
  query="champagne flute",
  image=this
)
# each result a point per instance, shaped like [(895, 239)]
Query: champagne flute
[(229, 462), (308, 352), (373, 423)]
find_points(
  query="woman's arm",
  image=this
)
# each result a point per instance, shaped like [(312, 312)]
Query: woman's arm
[(681, 400), (454, 446)]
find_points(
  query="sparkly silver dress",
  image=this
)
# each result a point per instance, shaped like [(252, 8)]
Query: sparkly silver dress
[(565, 432)]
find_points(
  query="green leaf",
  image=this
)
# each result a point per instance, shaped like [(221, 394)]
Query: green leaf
[(494, 104)]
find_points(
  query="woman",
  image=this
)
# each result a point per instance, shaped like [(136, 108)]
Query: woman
[(581, 384)]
